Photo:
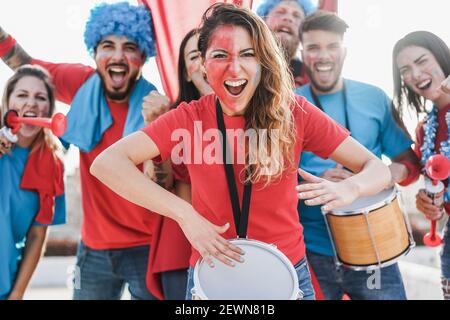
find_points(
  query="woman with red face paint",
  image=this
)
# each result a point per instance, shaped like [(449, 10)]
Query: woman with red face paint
[(253, 98), (169, 257), (32, 186), (421, 65)]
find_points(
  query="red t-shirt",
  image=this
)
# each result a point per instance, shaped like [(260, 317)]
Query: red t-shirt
[(109, 221), (273, 216), (441, 135)]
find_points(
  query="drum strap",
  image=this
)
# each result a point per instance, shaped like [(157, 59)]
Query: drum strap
[(240, 217)]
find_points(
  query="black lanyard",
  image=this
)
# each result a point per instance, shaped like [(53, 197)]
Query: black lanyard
[(319, 105), (240, 217)]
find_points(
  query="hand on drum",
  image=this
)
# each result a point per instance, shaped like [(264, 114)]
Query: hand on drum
[(426, 206), (337, 174), (205, 238), (319, 191)]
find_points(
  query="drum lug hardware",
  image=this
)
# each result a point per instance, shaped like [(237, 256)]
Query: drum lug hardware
[(372, 238)]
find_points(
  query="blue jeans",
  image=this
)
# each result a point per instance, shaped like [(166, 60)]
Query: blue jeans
[(174, 284), (102, 274), (304, 281), (382, 284), (445, 262)]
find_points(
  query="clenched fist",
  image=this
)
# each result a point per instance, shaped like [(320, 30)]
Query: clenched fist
[(445, 86), (426, 206), (154, 105)]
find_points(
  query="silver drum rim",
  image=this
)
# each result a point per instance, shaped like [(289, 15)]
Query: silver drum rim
[(377, 205), (197, 290)]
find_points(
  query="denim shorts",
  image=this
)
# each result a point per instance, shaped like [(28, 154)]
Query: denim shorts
[(304, 281)]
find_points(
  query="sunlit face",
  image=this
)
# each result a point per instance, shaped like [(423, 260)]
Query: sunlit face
[(30, 99), (119, 62), (420, 71), (195, 71), (285, 20), (232, 69), (323, 56)]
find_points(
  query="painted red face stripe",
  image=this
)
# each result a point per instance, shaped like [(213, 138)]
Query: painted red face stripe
[(230, 57)]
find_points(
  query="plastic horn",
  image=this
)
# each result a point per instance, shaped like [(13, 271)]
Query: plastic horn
[(57, 124), (437, 168)]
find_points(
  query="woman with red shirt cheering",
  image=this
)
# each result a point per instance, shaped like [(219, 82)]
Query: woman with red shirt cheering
[(421, 64), (253, 99)]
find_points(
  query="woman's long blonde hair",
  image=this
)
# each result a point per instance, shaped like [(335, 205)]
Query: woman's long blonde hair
[(44, 136), (270, 106)]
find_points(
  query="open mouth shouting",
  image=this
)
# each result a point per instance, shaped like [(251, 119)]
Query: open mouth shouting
[(118, 73), (29, 127), (324, 71), (424, 85), (30, 114), (235, 87), (284, 31)]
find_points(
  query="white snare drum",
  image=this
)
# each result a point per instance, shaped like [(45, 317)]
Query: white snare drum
[(370, 233), (266, 274)]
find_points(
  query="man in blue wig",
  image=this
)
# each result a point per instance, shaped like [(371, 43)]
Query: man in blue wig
[(105, 106), (284, 18)]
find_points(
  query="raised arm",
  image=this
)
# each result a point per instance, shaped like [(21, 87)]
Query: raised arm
[(14, 56), (116, 168)]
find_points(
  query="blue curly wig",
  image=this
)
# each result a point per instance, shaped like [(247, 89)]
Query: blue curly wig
[(120, 19), (266, 6)]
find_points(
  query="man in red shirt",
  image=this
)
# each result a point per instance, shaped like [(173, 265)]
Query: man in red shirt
[(106, 105)]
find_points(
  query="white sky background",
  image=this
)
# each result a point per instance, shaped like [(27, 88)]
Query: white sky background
[(52, 30)]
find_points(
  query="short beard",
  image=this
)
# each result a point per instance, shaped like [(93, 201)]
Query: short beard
[(289, 48), (317, 86), (118, 96)]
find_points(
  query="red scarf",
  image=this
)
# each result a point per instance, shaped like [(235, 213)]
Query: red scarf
[(44, 174)]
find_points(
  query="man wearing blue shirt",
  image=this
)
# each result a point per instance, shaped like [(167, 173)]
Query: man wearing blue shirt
[(365, 111)]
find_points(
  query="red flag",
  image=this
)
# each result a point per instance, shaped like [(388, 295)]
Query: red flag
[(329, 5), (172, 19)]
